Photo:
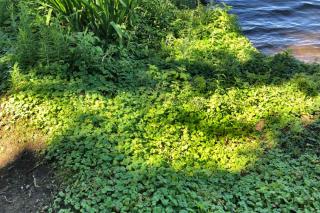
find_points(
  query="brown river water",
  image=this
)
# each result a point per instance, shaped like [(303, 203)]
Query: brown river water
[(277, 25)]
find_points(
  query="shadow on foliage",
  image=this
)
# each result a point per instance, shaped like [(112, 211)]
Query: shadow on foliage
[(305, 140), (123, 162), (223, 69), (110, 175)]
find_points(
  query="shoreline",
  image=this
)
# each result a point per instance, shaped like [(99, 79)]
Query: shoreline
[(304, 53)]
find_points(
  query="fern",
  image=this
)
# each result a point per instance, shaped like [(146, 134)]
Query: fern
[(52, 44), (26, 45)]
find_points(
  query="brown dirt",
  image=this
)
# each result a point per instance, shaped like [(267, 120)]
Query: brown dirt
[(26, 182), (16, 138), (26, 185), (307, 53)]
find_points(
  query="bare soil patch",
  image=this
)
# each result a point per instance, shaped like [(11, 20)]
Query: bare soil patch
[(26, 185), (26, 182)]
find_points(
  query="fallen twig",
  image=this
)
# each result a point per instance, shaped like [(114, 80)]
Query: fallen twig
[(35, 181), (9, 201)]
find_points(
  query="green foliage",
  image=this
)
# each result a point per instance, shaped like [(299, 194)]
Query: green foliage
[(53, 50), (189, 117), (4, 74), (106, 18), (154, 21), (308, 84), (7, 11), (200, 83), (173, 149), (186, 3)]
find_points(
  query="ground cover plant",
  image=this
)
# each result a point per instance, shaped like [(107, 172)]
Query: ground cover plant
[(186, 116)]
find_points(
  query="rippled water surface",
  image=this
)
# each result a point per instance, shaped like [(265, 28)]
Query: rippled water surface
[(275, 25)]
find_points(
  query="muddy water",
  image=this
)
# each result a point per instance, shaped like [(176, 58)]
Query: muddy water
[(276, 25)]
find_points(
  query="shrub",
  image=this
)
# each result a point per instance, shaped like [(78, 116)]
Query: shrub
[(154, 21), (27, 42), (53, 49)]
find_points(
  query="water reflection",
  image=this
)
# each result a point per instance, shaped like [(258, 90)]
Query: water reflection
[(274, 26)]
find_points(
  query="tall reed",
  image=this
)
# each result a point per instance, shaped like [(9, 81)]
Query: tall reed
[(106, 18)]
